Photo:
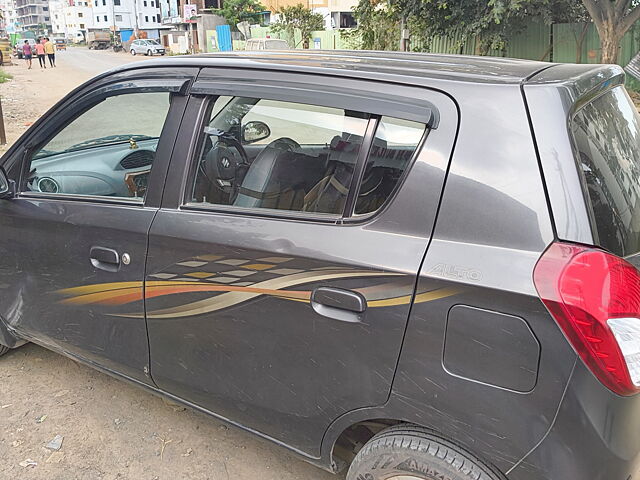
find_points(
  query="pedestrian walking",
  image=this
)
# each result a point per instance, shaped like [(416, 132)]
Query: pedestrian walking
[(40, 53), (27, 53), (50, 50)]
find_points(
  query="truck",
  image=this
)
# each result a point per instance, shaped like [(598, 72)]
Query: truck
[(99, 39)]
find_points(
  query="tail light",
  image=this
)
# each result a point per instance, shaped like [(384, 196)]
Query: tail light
[(594, 297)]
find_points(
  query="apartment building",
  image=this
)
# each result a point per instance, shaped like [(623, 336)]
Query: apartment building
[(71, 18), (128, 15), (9, 16), (33, 15)]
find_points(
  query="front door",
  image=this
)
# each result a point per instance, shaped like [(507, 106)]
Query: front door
[(281, 272), (74, 239)]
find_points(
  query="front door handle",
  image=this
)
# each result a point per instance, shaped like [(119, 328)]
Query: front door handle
[(339, 304), (105, 259)]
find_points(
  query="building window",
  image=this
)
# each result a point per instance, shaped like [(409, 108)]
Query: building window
[(153, 4), (144, 3), (80, 15), (158, 18), (105, 18), (82, 26), (146, 18), (118, 18), (97, 19), (116, 3), (104, 3), (45, 9)]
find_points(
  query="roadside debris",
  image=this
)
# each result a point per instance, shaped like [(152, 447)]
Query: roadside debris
[(56, 443), (41, 418), (188, 452), (28, 463), (17, 443), (6, 406), (60, 393)]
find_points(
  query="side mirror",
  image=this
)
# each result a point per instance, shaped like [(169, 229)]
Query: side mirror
[(255, 131), (7, 187)]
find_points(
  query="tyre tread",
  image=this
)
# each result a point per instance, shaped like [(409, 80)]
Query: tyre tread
[(423, 441)]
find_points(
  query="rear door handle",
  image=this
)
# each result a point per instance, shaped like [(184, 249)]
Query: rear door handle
[(339, 304), (105, 259)]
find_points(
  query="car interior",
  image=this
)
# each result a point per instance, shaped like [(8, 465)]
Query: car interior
[(236, 168)]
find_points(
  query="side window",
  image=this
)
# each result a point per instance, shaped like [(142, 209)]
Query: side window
[(393, 147), (108, 150), (268, 154)]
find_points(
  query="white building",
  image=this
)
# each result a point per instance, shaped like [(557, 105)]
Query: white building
[(10, 16), (74, 18), (128, 15), (71, 19)]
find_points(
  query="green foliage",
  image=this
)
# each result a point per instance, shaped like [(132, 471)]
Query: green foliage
[(490, 22), (378, 26), (298, 18), (4, 76), (236, 11)]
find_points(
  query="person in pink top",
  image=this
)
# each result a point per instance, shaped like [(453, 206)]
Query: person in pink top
[(27, 53), (40, 52)]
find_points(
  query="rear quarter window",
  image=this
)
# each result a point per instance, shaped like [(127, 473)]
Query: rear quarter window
[(606, 135)]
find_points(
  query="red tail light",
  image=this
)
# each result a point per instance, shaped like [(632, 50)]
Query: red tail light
[(594, 297)]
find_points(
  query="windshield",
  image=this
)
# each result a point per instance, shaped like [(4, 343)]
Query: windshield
[(135, 116), (151, 42), (607, 139)]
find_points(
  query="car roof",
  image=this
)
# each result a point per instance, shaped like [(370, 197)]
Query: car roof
[(414, 68)]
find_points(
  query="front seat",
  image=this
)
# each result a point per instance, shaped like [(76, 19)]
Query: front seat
[(278, 178)]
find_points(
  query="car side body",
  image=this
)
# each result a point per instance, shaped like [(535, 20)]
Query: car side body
[(422, 311)]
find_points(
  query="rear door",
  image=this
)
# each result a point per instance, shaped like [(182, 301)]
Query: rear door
[(279, 282)]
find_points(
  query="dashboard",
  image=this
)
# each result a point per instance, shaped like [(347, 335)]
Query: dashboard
[(119, 170)]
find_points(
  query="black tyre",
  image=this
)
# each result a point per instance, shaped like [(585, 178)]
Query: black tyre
[(3, 350), (408, 452), (149, 53), (133, 52)]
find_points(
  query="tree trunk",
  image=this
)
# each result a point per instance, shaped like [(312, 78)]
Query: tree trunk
[(609, 41)]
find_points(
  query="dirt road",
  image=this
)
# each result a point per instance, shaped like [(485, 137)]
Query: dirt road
[(33, 92), (111, 430)]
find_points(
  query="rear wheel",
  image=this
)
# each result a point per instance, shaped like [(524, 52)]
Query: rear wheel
[(133, 52), (408, 452)]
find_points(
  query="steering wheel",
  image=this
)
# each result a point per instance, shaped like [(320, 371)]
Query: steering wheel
[(224, 162)]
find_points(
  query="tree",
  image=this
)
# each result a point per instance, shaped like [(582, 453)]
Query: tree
[(490, 22), (298, 18), (378, 26), (236, 11), (613, 18)]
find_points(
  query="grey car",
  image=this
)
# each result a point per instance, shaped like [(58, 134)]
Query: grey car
[(146, 47), (406, 266)]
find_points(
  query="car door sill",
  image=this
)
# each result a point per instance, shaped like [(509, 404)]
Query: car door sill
[(317, 461)]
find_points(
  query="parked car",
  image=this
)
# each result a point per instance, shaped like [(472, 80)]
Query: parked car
[(146, 47), (266, 44), (412, 266)]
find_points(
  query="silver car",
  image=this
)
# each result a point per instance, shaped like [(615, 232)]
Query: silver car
[(147, 47)]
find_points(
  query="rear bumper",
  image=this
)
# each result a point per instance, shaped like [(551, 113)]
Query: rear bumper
[(595, 436)]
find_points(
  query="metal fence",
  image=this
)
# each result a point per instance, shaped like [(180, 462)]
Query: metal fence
[(557, 43)]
